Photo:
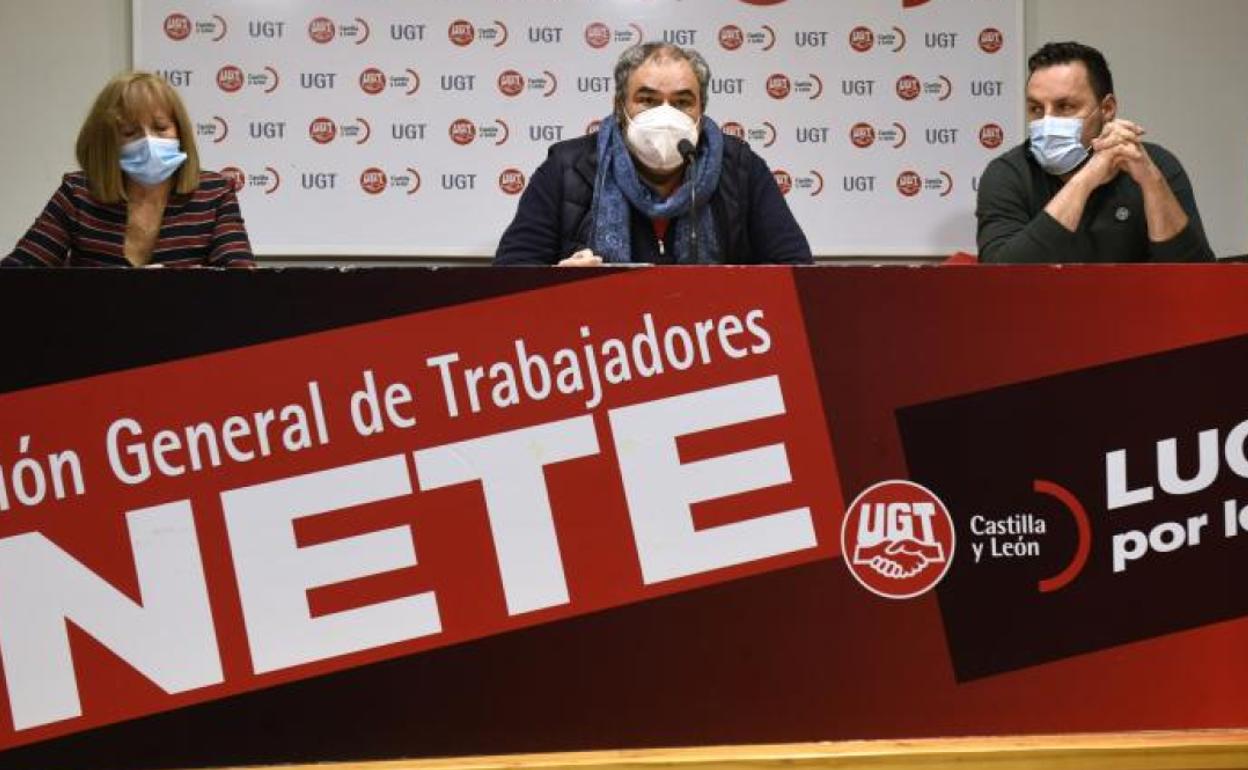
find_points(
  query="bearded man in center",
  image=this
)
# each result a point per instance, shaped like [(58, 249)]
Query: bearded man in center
[(658, 183)]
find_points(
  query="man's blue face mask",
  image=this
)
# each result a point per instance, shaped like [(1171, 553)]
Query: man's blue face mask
[(1056, 143)]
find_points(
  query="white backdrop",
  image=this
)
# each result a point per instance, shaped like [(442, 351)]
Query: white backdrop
[(371, 127)]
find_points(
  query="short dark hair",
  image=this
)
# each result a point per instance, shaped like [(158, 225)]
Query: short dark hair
[(1052, 54)]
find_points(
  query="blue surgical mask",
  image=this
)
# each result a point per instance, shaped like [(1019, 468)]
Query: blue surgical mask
[(1056, 143), (150, 160)]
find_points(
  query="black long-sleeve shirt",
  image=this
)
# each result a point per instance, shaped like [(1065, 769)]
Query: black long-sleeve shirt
[(1014, 227)]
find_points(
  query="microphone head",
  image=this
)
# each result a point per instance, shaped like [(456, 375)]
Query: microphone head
[(686, 149)]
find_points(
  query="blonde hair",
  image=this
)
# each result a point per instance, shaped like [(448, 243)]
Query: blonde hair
[(129, 97)]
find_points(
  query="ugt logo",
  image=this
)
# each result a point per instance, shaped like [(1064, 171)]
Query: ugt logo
[(897, 539)]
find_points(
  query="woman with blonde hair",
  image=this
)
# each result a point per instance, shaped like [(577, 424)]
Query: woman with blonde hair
[(140, 197)]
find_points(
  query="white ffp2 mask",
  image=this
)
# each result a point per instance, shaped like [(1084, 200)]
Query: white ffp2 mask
[(654, 136)]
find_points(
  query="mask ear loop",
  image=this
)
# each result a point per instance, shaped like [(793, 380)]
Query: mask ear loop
[(1104, 117)]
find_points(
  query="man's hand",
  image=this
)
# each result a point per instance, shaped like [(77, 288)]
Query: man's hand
[(1100, 169), (1117, 132), (582, 258), (1120, 140), (1115, 150), (1126, 137), (1067, 206)]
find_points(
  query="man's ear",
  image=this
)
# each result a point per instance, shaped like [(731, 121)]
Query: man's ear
[(1109, 107)]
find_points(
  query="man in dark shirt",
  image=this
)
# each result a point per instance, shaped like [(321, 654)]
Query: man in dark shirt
[(1085, 187), (659, 182)]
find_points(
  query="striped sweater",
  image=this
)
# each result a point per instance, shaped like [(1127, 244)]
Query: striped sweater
[(203, 228)]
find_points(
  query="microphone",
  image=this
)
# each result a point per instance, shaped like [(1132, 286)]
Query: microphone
[(690, 153)]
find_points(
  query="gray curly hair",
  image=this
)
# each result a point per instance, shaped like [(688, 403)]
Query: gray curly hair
[(639, 54)]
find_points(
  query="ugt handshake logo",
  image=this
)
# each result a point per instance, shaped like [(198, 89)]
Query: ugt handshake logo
[(898, 539)]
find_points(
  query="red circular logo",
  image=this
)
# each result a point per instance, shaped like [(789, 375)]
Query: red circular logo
[(373, 180), (731, 37), (511, 83), (763, 2), (861, 39), (235, 176), (783, 180), (463, 131), (461, 32), (909, 87), (778, 86), (511, 181), (177, 26), (373, 81), (991, 40), (321, 29), (229, 78), (991, 136), (322, 130), (897, 539), (909, 183), (598, 35), (733, 129), (862, 135)]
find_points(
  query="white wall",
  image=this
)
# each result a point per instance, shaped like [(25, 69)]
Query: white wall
[(57, 55), (1180, 68)]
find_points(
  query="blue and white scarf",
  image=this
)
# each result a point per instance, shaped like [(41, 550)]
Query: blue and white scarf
[(618, 188)]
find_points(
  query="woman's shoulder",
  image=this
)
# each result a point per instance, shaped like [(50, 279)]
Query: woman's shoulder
[(75, 183), (75, 190), (214, 186), (214, 180)]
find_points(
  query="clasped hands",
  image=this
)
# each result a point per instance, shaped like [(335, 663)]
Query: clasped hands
[(1119, 148)]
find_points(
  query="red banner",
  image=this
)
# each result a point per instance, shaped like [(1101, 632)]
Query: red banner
[(197, 529), (280, 516)]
